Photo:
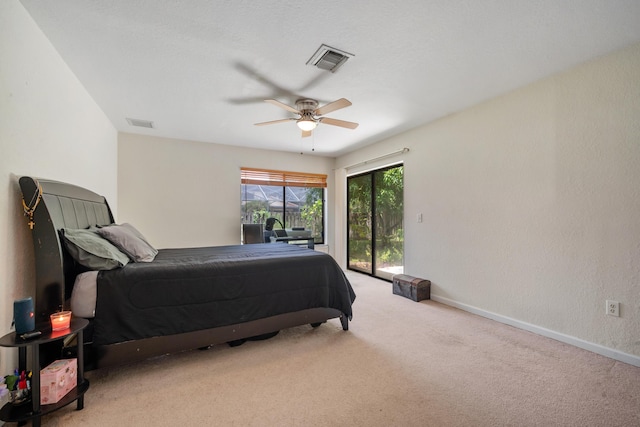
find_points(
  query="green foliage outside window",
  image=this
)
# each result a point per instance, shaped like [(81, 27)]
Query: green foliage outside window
[(311, 212)]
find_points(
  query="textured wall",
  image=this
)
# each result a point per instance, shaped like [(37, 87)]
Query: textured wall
[(530, 202), (49, 127), (185, 193)]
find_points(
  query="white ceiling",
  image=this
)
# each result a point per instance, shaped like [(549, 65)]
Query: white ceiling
[(200, 69)]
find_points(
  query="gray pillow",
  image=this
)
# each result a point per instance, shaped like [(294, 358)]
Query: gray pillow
[(130, 241), (92, 251)]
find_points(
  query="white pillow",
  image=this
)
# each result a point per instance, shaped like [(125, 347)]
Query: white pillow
[(83, 296)]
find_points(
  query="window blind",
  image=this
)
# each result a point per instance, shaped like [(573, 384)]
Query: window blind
[(274, 177)]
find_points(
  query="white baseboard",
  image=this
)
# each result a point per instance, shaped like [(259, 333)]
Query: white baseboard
[(567, 339)]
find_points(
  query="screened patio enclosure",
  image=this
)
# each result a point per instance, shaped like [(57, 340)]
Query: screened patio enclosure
[(292, 206)]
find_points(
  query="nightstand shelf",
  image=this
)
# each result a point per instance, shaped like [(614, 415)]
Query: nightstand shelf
[(33, 410)]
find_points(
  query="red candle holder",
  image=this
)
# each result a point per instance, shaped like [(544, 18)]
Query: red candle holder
[(60, 320)]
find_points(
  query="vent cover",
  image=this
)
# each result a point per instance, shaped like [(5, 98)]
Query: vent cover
[(140, 123), (329, 58)]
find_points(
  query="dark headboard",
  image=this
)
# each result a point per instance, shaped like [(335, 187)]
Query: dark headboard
[(62, 206)]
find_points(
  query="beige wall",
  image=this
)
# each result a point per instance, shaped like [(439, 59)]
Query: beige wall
[(49, 127), (530, 205), (185, 193)]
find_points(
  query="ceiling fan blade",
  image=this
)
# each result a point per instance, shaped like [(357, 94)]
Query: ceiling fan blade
[(259, 77), (336, 122), (314, 81), (281, 105), (332, 106), (306, 133), (276, 89), (247, 100), (273, 122)]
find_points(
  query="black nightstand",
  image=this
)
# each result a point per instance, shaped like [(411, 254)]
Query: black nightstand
[(33, 411)]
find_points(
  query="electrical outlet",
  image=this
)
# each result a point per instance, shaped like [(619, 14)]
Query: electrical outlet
[(419, 217), (613, 308)]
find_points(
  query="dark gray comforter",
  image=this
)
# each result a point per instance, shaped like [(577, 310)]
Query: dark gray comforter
[(190, 289)]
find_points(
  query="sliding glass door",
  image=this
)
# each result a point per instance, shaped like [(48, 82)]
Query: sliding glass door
[(375, 222), (359, 223)]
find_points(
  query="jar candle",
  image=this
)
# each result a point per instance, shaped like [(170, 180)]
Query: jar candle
[(60, 320)]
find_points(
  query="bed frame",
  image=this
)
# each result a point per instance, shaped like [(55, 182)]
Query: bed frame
[(68, 206)]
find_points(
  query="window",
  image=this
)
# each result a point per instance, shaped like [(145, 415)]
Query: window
[(296, 199)]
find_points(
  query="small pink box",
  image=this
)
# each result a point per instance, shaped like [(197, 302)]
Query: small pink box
[(58, 379)]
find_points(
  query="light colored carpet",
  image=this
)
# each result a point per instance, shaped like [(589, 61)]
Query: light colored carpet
[(401, 363)]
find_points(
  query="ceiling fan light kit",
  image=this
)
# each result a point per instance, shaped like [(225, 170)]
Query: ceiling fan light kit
[(306, 124), (310, 115)]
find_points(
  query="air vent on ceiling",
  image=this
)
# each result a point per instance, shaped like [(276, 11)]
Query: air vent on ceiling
[(140, 123), (329, 58)]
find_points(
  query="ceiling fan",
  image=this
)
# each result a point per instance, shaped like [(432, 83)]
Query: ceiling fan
[(309, 115)]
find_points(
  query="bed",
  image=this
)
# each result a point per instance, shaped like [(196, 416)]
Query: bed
[(174, 299)]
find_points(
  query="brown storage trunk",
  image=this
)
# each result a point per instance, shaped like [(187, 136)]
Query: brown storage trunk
[(411, 287)]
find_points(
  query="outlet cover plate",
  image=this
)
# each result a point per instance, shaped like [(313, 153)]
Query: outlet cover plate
[(613, 308)]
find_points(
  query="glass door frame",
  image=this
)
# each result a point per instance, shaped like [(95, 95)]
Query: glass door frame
[(373, 229)]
